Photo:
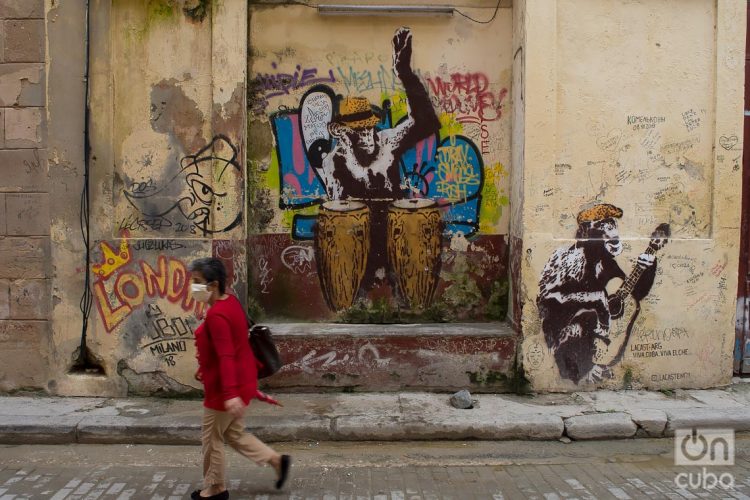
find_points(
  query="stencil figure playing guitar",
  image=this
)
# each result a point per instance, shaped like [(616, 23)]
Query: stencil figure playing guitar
[(575, 308)]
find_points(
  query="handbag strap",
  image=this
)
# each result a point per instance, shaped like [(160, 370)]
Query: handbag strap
[(250, 323)]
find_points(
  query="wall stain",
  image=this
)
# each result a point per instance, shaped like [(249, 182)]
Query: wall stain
[(174, 113), (199, 11)]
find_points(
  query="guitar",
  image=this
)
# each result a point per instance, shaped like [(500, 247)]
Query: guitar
[(624, 309)]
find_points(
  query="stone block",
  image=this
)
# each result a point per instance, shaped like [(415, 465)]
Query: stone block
[(24, 127), (457, 424), (23, 257), (4, 299), (21, 9), (22, 84), (39, 430), (600, 426), (2, 127), (22, 354), (27, 214), (23, 170), (652, 422), (24, 40), (119, 429), (3, 216), (708, 418), (29, 299)]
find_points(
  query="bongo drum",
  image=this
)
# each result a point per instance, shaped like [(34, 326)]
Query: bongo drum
[(342, 241), (415, 231)]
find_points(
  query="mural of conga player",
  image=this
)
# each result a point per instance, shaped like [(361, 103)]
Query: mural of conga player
[(364, 162), (576, 310), (388, 188)]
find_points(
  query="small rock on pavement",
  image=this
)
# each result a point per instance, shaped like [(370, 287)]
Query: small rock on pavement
[(462, 400), (566, 440)]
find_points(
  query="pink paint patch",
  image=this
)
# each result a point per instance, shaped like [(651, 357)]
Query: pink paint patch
[(430, 145), (420, 150), (298, 155), (293, 181), (428, 178), (310, 176)]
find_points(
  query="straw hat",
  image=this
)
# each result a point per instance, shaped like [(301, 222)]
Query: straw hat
[(599, 212), (356, 113)]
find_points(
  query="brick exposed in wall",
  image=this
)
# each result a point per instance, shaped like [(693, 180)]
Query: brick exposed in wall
[(3, 216), (14, 9), (22, 344), (23, 257), (4, 299), (2, 43), (24, 242), (24, 128), (24, 40), (27, 214), (23, 170), (22, 84), (29, 299)]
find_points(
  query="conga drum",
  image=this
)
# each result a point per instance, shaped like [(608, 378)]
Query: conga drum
[(415, 231), (342, 241)]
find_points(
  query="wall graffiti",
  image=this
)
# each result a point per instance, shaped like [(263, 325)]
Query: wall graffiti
[(468, 96), (359, 163), (123, 285), (200, 198), (277, 84), (580, 318), (168, 335)]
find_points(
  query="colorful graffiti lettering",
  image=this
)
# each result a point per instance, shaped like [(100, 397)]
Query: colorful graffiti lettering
[(117, 299), (278, 84), (457, 177), (362, 80), (468, 96)]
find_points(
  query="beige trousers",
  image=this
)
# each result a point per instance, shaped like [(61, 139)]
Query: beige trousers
[(220, 427)]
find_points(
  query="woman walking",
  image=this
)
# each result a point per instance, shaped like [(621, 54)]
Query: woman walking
[(228, 370)]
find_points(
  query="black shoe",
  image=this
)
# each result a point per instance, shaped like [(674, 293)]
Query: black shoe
[(286, 462), (224, 495)]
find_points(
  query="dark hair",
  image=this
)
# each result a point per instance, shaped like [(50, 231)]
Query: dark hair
[(212, 270)]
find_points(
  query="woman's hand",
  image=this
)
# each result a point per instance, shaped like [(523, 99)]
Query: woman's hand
[(235, 407), (198, 376)]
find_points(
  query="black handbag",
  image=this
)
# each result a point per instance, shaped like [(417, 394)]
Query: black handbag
[(264, 349)]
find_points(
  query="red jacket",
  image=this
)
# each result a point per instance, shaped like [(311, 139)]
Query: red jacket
[(226, 363)]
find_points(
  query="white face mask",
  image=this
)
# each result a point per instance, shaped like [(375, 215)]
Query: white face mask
[(200, 292)]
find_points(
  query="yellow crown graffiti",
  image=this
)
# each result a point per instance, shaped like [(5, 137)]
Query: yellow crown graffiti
[(112, 260)]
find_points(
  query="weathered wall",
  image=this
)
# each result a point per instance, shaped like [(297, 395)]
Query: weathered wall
[(626, 117), (24, 197), (308, 71), (167, 186), (633, 126)]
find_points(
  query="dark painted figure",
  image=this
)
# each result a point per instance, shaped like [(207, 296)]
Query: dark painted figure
[(364, 164), (573, 302)]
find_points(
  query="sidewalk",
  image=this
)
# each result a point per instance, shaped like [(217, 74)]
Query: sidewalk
[(382, 417)]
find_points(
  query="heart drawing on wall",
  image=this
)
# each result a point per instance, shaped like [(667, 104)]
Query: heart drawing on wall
[(728, 142)]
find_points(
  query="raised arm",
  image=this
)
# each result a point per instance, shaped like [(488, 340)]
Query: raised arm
[(422, 120)]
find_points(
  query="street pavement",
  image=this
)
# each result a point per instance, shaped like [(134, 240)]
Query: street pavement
[(383, 417), (457, 470)]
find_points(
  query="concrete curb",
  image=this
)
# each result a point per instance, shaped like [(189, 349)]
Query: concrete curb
[(600, 426), (39, 430), (725, 418), (129, 430), (380, 417)]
